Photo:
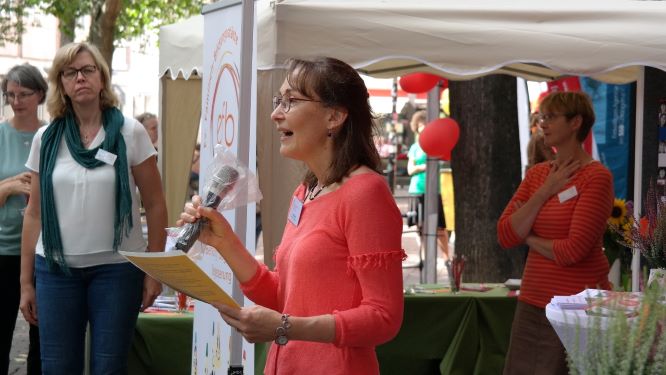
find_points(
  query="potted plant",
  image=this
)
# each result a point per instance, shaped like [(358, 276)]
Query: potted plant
[(623, 343)]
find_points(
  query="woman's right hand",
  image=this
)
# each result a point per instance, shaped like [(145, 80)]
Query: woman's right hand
[(19, 184), (559, 175), (216, 232), (28, 304)]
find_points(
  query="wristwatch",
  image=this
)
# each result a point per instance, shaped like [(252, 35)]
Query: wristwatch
[(281, 331)]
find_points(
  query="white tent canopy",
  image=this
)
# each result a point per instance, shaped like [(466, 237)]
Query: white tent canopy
[(537, 40)]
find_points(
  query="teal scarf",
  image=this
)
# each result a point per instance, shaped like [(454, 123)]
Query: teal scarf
[(112, 120)]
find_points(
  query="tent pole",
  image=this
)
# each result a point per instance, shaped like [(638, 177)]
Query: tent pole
[(638, 172), (431, 201)]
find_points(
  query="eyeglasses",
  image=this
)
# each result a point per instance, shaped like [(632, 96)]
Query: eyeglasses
[(21, 96), (548, 117), (71, 73), (285, 102)]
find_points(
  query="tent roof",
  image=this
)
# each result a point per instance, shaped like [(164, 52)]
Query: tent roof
[(536, 40), (181, 48)]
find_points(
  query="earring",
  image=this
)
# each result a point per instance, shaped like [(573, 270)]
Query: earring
[(330, 134)]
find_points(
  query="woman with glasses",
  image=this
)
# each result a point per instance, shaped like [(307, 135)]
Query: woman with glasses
[(560, 211), (336, 291), (24, 89), (87, 165)]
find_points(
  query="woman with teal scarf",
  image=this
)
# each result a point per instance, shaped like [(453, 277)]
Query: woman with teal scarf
[(89, 163)]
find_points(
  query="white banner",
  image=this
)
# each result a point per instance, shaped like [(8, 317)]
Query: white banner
[(222, 89)]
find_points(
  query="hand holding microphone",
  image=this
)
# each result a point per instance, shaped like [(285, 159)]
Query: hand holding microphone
[(221, 184)]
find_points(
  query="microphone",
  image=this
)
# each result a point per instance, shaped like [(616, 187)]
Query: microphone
[(220, 185)]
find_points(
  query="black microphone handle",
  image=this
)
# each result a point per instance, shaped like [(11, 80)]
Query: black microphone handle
[(190, 235), (191, 231)]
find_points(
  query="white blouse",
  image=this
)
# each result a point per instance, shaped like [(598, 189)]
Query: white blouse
[(85, 199)]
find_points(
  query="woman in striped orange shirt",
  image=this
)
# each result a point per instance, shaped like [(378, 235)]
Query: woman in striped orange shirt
[(559, 211)]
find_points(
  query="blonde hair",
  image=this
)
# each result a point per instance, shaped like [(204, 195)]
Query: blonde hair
[(57, 101), (537, 151), (417, 118)]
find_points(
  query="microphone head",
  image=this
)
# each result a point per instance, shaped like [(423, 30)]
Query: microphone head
[(224, 180)]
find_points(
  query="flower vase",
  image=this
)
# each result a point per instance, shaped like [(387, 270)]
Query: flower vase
[(614, 274), (658, 275)]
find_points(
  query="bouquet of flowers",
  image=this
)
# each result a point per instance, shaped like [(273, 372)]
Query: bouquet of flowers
[(648, 234), (617, 237)]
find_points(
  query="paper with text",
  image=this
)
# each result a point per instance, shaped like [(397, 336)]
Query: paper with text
[(178, 271)]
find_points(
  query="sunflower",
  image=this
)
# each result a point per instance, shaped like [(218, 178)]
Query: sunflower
[(619, 212)]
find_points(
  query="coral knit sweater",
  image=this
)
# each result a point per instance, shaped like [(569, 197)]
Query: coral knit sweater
[(576, 227), (343, 258)]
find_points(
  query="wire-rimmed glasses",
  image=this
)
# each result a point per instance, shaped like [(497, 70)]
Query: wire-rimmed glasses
[(548, 117), (10, 97), (285, 101)]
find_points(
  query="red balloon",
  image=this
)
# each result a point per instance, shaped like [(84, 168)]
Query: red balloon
[(417, 83), (440, 137)]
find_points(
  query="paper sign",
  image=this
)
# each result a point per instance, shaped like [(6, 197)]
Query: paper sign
[(179, 272)]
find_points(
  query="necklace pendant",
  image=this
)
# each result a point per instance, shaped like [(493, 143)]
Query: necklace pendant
[(315, 192)]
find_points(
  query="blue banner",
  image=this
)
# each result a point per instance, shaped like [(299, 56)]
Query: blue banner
[(613, 108)]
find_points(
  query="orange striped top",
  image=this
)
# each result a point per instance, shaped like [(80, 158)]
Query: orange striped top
[(576, 227)]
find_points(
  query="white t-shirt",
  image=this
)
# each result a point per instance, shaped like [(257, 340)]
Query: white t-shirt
[(85, 199)]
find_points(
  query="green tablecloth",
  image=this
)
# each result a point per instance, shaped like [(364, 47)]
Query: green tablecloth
[(162, 344), (465, 333)]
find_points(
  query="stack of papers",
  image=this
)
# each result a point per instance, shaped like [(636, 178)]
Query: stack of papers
[(165, 303), (600, 302), (576, 302)]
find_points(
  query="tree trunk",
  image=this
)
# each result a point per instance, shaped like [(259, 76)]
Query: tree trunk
[(486, 172), (103, 27), (66, 29)]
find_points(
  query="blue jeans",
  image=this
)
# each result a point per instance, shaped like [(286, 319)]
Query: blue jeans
[(107, 296)]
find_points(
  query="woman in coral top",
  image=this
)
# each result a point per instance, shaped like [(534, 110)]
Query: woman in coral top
[(336, 291), (560, 212)]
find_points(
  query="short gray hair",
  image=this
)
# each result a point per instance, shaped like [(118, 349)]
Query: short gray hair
[(27, 76)]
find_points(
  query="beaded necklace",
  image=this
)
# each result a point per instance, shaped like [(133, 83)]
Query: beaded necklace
[(314, 191)]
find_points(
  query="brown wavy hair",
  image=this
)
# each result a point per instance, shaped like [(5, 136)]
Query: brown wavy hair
[(57, 102), (336, 84)]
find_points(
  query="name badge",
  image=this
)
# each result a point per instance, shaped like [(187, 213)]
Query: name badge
[(294, 215), (105, 156), (567, 194)]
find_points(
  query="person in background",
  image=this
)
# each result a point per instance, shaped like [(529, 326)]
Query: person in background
[(560, 211), (24, 89), (151, 123), (336, 291), (86, 166), (416, 167), (194, 171), (537, 151)]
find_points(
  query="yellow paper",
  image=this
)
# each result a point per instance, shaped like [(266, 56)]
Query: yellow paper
[(178, 271)]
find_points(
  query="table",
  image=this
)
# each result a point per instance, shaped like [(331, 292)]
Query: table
[(465, 333), (162, 344)]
